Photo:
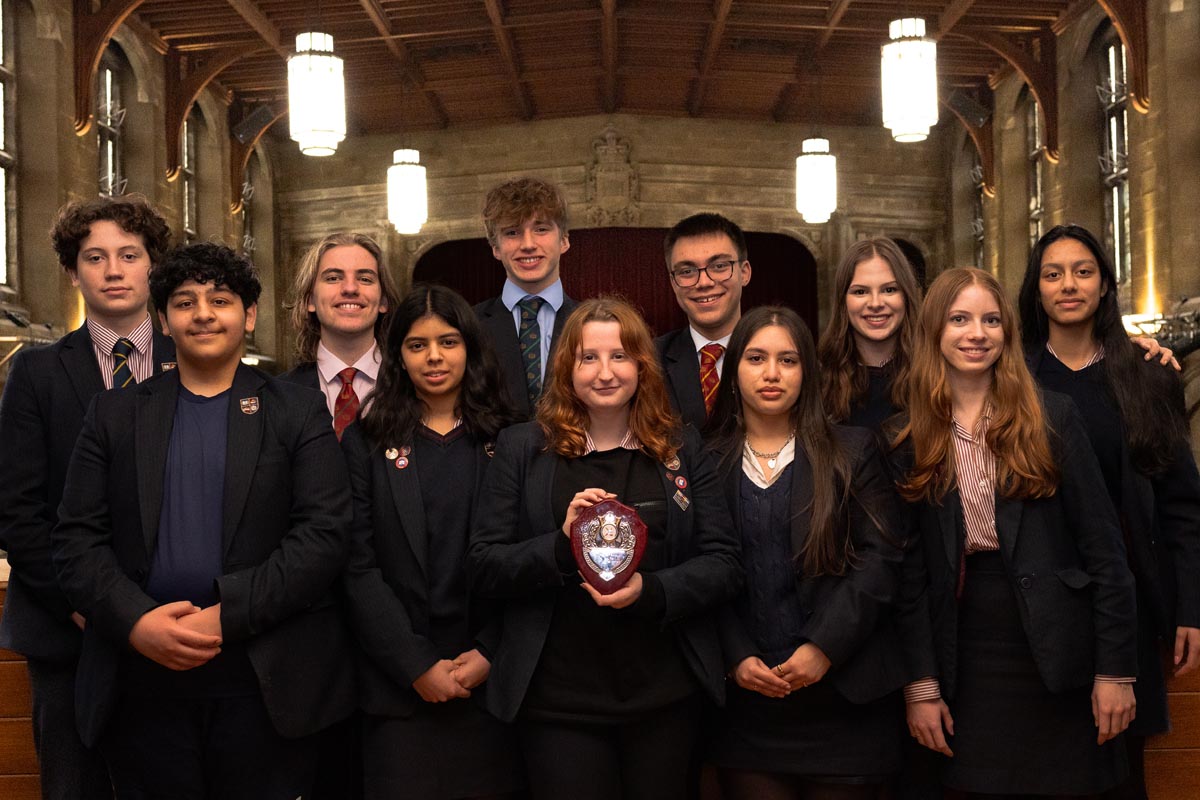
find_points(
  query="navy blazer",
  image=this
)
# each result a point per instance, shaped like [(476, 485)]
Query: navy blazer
[(45, 399), (512, 559), (1160, 515), (1065, 559), (387, 578), (851, 618), (286, 518), (304, 374), (681, 368), (501, 331)]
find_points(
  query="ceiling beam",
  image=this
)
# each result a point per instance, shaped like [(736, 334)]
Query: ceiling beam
[(805, 61), (832, 20), (716, 30), (408, 64), (91, 33), (950, 17), (256, 19), (185, 80), (508, 55), (1129, 18), (608, 50)]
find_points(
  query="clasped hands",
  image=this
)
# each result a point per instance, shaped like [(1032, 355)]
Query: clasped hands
[(806, 666), (451, 679), (178, 635)]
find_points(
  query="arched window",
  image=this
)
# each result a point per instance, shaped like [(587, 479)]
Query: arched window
[(248, 242), (110, 117), (1035, 150), (1114, 163), (8, 141), (977, 225), (187, 174)]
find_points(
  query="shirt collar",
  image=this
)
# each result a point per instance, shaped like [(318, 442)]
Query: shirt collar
[(142, 336), (976, 437), (628, 442), (512, 294), (699, 339), (330, 365)]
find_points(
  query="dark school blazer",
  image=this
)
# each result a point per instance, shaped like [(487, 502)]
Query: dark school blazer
[(286, 519), (45, 399), (851, 618), (1160, 515), (1066, 561), (512, 560), (387, 577), (498, 327), (677, 355), (303, 374)]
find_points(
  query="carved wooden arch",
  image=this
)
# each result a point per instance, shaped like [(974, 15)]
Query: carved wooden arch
[(1129, 18), (239, 159), (1040, 72), (182, 90), (984, 143), (92, 32)]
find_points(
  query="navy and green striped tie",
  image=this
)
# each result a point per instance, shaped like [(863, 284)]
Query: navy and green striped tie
[(529, 337), (122, 373)]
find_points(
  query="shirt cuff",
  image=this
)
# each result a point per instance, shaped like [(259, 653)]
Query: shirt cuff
[(923, 689), (1115, 679)]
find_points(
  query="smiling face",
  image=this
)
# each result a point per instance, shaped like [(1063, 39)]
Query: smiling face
[(770, 373), (874, 302), (713, 307), (208, 324), (1070, 284), (435, 358), (530, 252), (605, 376), (346, 295), (112, 273), (972, 333)]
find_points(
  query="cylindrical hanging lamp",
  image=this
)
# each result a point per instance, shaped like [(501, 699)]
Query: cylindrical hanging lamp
[(816, 181), (408, 203), (316, 95), (909, 73)]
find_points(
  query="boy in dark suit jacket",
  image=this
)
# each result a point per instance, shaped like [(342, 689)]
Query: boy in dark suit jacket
[(707, 267), (202, 526), (526, 224), (107, 247)]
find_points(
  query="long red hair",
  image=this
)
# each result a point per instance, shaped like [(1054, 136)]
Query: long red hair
[(562, 415), (1016, 434)]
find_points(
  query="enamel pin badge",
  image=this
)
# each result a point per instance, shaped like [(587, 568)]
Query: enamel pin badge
[(391, 454), (249, 405)]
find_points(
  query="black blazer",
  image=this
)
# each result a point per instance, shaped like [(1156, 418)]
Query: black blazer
[(1160, 516), (1066, 561), (498, 327), (45, 399), (677, 354), (851, 618), (512, 559), (286, 518), (303, 374), (387, 578)]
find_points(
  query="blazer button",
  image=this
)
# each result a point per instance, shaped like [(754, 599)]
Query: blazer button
[(1026, 583)]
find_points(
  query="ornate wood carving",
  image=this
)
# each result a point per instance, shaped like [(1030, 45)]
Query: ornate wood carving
[(186, 77), (1129, 18), (92, 32)]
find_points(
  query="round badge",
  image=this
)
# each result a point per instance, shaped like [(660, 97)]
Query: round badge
[(404, 451), (673, 463), (681, 482), (391, 454), (401, 462)]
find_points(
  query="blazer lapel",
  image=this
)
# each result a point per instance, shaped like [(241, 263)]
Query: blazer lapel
[(501, 331), (541, 478), (802, 492), (949, 514), (410, 509), (560, 316), (154, 418), (79, 362), (1008, 524), (683, 368), (242, 446), (162, 352)]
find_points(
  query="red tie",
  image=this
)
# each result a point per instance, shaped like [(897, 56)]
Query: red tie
[(345, 408), (709, 379)]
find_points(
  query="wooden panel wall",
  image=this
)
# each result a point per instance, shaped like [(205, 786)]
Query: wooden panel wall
[(18, 763), (1173, 760)]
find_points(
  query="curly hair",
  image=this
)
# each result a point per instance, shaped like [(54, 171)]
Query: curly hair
[(204, 262), (843, 377), (1017, 434), (396, 410), (132, 212), (520, 199), (563, 416), (308, 327)]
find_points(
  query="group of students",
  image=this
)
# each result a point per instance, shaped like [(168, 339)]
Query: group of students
[(896, 528)]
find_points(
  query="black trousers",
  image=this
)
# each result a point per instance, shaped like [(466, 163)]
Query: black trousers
[(204, 749), (650, 757), (70, 771)]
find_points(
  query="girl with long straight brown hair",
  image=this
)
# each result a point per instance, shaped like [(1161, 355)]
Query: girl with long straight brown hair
[(810, 644), (1031, 605), (606, 689)]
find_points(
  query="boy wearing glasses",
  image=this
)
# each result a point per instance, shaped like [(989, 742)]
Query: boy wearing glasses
[(707, 267)]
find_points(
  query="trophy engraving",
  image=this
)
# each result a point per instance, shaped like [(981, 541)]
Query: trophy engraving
[(608, 540)]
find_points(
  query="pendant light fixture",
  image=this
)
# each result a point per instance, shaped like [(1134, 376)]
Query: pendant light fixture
[(909, 73), (407, 198), (816, 181), (316, 95)]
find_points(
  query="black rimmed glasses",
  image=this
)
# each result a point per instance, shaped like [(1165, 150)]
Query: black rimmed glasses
[(717, 271)]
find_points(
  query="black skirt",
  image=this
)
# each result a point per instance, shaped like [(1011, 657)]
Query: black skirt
[(1012, 734), (813, 732)]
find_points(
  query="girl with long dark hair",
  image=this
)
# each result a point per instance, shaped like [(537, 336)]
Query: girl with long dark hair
[(606, 689), (810, 643), (1135, 420), (866, 347), (417, 459), (1031, 605)]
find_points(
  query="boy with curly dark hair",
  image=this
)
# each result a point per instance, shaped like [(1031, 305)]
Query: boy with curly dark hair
[(202, 527), (107, 247)]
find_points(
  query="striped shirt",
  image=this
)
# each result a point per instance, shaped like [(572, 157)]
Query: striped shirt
[(141, 361), (1095, 358), (975, 474), (628, 442)]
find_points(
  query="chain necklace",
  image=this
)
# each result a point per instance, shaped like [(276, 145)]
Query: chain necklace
[(771, 458)]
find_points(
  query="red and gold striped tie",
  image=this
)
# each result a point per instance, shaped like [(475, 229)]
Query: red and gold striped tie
[(709, 379), (345, 407)]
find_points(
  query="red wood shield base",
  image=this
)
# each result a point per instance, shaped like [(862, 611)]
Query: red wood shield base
[(595, 516)]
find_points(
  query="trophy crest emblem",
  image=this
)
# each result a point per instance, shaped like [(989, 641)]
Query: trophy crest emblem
[(608, 540)]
